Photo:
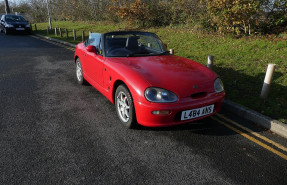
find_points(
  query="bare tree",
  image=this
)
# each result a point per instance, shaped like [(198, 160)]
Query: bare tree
[(7, 9)]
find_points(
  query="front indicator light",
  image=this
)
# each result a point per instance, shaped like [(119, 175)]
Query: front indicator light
[(161, 112)]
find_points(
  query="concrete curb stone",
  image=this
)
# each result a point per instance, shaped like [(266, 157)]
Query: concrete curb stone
[(255, 117), (56, 40), (251, 115)]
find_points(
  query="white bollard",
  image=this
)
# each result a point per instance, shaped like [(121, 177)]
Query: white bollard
[(210, 61), (171, 51), (267, 81)]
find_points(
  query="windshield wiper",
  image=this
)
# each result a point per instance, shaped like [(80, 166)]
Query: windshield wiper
[(164, 53)]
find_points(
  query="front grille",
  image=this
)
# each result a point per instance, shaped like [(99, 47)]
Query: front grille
[(198, 95), (20, 26)]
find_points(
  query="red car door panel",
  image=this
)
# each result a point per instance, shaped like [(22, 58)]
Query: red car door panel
[(95, 67)]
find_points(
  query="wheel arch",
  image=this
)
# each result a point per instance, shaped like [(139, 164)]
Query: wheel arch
[(115, 86), (75, 58)]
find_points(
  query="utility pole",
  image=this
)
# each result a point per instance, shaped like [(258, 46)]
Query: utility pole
[(7, 9), (50, 21)]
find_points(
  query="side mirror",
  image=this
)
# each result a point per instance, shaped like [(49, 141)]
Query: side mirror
[(91, 48)]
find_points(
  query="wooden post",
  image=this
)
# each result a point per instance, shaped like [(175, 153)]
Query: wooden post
[(83, 36), (210, 61), (31, 27), (35, 27), (56, 34), (171, 51), (67, 33), (47, 30), (60, 31), (267, 81), (90, 33), (74, 34)]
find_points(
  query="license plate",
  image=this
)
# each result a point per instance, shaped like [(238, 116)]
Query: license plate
[(20, 28), (196, 113)]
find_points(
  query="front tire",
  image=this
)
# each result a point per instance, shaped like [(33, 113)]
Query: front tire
[(125, 107), (79, 73), (6, 31)]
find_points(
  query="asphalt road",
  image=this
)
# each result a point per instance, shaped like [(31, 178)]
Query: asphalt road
[(54, 131)]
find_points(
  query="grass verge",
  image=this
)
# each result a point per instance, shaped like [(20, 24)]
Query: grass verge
[(241, 62)]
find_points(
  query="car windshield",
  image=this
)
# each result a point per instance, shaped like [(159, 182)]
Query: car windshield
[(132, 44), (14, 18)]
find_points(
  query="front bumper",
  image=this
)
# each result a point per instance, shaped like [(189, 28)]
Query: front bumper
[(146, 118), (16, 30)]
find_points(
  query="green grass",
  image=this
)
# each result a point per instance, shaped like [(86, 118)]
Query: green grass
[(241, 62)]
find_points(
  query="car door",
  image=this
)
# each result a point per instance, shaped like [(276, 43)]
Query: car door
[(95, 66), (95, 61)]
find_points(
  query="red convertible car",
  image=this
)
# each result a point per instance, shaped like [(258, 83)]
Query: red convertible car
[(147, 84)]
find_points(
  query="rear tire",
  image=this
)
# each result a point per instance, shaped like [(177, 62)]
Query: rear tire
[(79, 73), (125, 107)]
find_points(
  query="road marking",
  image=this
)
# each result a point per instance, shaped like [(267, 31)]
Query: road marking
[(251, 138), (254, 133)]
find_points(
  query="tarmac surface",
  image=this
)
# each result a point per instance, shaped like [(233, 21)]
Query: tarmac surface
[(54, 131)]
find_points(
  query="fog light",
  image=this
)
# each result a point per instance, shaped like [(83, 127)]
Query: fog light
[(161, 112)]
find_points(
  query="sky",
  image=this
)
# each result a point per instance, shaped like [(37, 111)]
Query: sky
[(17, 1), (14, 1)]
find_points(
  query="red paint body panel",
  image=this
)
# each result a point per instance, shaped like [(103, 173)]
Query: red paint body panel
[(177, 74)]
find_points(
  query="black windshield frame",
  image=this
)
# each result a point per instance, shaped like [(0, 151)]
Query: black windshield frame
[(160, 50)]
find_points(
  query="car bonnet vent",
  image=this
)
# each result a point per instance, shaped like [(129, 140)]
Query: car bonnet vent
[(199, 95)]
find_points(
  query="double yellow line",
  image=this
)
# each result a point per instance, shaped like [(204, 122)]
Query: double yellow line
[(230, 124)]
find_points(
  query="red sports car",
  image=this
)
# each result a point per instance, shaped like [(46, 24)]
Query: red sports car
[(147, 84)]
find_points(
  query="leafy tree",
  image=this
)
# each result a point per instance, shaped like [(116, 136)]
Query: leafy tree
[(229, 14), (134, 12)]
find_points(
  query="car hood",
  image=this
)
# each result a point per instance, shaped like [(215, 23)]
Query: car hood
[(177, 74)]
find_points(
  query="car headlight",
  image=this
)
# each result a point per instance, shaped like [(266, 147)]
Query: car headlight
[(27, 25), (9, 25), (159, 95), (218, 85)]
